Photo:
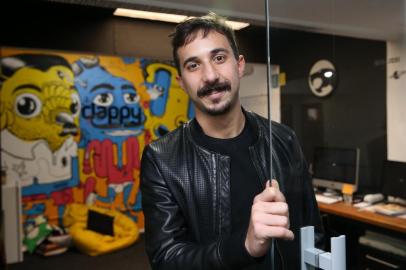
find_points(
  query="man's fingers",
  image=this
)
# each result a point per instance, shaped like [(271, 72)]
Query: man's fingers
[(267, 195), (275, 184), (278, 232), (270, 193), (275, 208), (267, 184), (288, 235), (272, 220), (279, 195)]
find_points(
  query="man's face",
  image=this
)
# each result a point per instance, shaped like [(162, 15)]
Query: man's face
[(210, 73)]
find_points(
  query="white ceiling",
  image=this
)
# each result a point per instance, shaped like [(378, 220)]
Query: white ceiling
[(372, 19)]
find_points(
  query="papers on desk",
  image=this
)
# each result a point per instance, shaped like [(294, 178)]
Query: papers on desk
[(402, 216), (361, 204), (327, 199), (388, 209)]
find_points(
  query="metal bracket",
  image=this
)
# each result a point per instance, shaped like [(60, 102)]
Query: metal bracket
[(312, 257)]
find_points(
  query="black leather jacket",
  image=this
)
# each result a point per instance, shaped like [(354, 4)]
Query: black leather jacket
[(186, 199)]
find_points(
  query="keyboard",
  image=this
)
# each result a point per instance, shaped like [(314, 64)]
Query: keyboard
[(327, 199)]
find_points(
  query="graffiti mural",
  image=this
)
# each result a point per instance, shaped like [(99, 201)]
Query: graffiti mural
[(39, 117), (111, 121), (166, 99), (73, 127)]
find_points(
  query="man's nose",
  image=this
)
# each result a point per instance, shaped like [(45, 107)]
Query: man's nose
[(210, 73)]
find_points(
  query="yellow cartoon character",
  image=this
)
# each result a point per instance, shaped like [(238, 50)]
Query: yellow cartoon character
[(39, 111), (169, 105), (38, 98)]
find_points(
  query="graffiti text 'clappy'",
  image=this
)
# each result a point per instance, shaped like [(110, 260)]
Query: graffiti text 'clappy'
[(113, 113)]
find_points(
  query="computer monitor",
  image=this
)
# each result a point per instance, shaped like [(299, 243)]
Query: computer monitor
[(333, 167), (394, 179)]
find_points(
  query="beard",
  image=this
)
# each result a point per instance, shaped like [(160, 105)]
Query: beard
[(207, 90)]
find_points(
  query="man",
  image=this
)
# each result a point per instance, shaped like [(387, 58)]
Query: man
[(206, 198)]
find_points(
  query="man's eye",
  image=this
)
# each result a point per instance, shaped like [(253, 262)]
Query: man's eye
[(219, 58), (191, 66)]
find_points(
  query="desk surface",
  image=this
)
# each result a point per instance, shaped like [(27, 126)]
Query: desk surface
[(348, 211)]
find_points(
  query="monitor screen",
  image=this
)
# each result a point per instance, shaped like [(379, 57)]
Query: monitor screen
[(394, 179), (333, 167)]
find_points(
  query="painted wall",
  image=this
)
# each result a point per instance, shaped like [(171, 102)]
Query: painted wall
[(73, 126)]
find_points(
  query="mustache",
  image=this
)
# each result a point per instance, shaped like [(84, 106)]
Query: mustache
[(211, 87)]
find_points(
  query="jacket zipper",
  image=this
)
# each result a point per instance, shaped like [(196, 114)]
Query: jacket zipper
[(216, 197), (260, 173)]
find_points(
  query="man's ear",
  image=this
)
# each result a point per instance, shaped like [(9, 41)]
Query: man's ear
[(241, 65), (180, 81)]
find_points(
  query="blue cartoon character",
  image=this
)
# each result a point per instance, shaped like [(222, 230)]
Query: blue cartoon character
[(110, 122)]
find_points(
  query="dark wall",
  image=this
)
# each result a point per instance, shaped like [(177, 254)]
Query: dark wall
[(353, 116), (56, 26), (67, 27)]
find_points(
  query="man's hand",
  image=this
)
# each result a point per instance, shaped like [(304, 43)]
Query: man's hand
[(269, 219)]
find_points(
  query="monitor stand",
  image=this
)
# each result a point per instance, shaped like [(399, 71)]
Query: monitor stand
[(330, 193)]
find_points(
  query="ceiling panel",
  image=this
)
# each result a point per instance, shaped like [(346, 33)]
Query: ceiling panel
[(373, 19)]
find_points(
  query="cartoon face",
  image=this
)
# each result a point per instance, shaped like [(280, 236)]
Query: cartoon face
[(170, 106), (110, 104), (159, 91), (38, 104)]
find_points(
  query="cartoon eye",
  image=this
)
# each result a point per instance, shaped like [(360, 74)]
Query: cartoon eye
[(28, 105), (75, 105), (131, 98), (105, 99), (159, 89), (61, 75)]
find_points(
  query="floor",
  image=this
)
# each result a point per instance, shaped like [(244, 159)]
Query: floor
[(133, 257)]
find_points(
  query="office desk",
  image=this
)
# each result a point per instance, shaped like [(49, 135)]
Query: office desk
[(350, 221), (348, 211)]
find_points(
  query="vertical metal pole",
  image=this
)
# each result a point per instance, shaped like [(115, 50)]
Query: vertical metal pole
[(268, 83), (269, 90)]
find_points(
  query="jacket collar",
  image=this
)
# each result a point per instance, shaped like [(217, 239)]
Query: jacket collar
[(250, 117)]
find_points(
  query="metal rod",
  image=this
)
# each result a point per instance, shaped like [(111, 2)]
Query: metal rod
[(269, 90), (268, 83)]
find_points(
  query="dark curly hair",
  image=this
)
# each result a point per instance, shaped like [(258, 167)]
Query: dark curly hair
[(186, 32)]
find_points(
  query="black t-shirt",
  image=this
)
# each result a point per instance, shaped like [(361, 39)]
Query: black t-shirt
[(245, 183)]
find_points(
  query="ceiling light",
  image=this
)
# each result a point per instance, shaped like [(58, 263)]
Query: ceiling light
[(166, 17), (155, 16), (237, 25)]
